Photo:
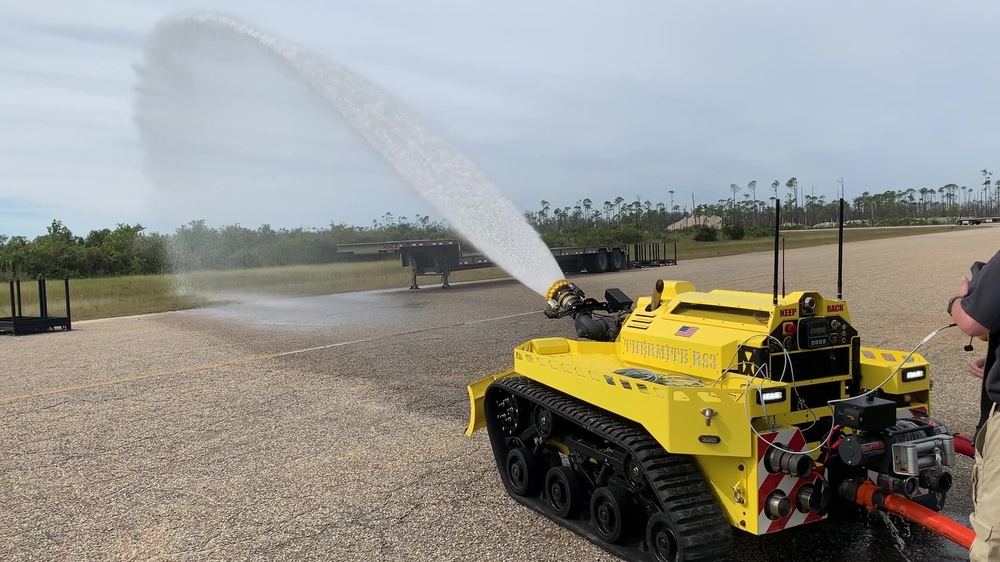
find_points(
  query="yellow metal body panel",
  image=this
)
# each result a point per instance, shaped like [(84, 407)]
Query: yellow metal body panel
[(684, 414), (736, 489), (885, 367)]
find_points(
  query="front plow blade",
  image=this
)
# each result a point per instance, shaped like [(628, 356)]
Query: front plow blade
[(477, 390)]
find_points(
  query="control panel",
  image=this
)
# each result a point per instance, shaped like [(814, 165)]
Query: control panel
[(822, 332), (802, 328)]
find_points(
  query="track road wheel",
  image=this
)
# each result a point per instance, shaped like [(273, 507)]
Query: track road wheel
[(643, 482), (523, 472), (610, 509), (563, 490), (661, 536)]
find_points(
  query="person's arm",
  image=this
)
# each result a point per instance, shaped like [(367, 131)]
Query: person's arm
[(976, 308), (966, 323)]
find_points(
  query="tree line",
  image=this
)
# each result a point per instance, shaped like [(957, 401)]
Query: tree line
[(131, 250), (753, 208)]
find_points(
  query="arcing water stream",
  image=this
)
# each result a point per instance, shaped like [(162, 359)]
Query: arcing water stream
[(437, 171)]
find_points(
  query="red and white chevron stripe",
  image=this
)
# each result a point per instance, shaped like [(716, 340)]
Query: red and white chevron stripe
[(791, 440), (918, 412)]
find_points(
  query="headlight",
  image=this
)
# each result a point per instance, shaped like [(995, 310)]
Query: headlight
[(910, 375), (771, 396)]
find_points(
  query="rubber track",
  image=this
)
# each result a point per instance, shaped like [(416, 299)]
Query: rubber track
[(678, 484)]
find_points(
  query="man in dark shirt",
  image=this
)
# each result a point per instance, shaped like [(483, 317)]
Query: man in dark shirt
[(976, 311)]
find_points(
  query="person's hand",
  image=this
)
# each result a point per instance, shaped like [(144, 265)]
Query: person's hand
[(963, 289), (976, 367)]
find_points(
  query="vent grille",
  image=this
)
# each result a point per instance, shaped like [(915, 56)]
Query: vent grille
[(640, 321)]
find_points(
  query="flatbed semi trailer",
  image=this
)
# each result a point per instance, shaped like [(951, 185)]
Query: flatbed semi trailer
[(444, 257), (976, 220)]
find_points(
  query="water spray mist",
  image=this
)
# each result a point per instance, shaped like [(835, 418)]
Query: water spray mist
[(436, 170)]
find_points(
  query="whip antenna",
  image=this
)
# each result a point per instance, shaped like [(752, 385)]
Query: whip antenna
[(777, 223), (840, 254)]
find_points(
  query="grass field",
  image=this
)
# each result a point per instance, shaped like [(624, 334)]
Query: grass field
[(690, 249), (123, 296)]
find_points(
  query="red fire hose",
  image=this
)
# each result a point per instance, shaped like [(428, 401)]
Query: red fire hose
[(872, 497)]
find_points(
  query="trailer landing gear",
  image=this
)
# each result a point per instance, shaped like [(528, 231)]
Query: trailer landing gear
[(413, 278)]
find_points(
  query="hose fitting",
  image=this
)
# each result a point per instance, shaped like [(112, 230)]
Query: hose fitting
[(868, 495), (935, 480), (562, 296), (777, 505), (796, 464)]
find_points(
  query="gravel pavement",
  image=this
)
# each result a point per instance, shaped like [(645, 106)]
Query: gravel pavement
[(332, 428)]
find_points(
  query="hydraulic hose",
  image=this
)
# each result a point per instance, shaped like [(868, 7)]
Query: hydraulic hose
[(872, 497), (964, 445), (597, 329)]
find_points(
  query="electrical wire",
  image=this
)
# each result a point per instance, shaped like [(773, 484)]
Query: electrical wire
[(926, 339), (746, 411), (795, 388), (771, 427), (833, 427), (787, 367), (761, 371), (727, 370)]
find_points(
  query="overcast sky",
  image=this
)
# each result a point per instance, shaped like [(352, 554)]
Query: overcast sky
[(554, 100)]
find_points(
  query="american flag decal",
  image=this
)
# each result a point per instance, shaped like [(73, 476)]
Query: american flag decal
[(686, 331)]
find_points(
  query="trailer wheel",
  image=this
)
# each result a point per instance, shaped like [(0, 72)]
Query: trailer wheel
[(617, 260), (598, 263)]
